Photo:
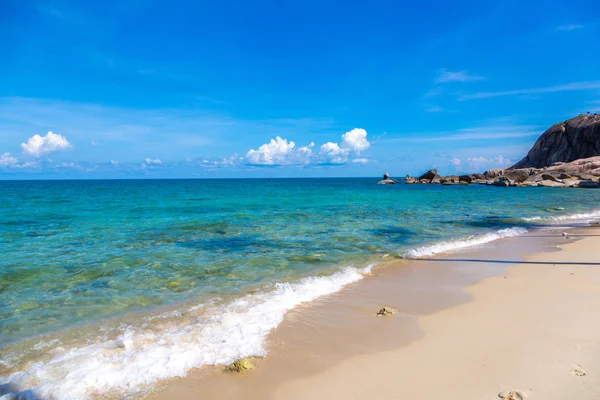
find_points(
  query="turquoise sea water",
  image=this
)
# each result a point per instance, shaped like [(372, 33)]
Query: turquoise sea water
[(79, 253)]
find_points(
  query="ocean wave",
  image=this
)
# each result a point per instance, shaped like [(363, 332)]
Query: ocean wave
[(579, 217), (462, 243), (138, 357)]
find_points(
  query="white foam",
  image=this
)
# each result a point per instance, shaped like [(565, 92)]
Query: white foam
[(139, 357), (580, 217), (464, 242)]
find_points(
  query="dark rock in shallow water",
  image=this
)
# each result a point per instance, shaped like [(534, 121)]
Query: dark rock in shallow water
[(451, 179), (565, 142), (588, 184)]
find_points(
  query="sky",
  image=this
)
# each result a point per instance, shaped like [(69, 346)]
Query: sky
[(206, 89)]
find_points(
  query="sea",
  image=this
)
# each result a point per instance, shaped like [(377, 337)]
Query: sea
[(109, 287)]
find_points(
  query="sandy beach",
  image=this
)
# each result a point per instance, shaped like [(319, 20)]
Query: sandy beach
[(518, 314)]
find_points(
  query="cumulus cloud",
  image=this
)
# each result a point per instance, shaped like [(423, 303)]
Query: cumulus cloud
[(482, 163), (360, 160), (332, 153), (279, 152), (38, 145), (6, 160), (355, 140)]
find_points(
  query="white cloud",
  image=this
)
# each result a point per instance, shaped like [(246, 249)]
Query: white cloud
[(279, 152), (355, 140), (456, 76), (482, 163), (574, 86), (455, 161), (6, 160), (360, 160), (113, 162), (38, 145), (569, 27), (150, 161), (332, 153), (94, 143)]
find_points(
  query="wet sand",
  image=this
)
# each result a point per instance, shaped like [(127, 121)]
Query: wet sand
[(469, 325)]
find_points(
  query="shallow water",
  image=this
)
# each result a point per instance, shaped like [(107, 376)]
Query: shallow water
[(209, 267)]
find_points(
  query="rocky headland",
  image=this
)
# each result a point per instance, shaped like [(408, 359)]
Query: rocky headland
[(566, 155)]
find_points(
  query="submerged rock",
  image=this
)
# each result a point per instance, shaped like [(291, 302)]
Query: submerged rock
[(386, 311), (242, 365)]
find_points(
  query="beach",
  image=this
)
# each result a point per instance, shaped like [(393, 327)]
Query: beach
[(113, 289), (469, 325)]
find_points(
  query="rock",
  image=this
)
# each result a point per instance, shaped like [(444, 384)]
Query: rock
[(574, 139), (423, 181), (517, 175), (528, 184), (242, 365), (547, 177), (386, 180), (386, 311), (564, 176), (436, 179), (429, 175), (466, 178), (449, 180), (410, 179), (588, 184), (493, 174), (503, 182), (548, 183)]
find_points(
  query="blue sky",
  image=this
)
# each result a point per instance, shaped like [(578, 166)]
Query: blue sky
[(135, 89)]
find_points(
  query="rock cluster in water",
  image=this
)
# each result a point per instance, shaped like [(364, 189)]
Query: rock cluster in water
[(566, 155)]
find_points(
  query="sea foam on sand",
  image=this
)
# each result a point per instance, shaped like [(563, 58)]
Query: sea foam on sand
[(159, 350)]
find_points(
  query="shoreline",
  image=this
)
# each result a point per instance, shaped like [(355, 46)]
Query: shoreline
[(341, 306), (325, 336)]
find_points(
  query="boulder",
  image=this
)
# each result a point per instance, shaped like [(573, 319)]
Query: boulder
[(466, 178), (565, 142), (410, 179), (449, 180), (528, 184), (429, 175), (517, 175), (503, 182), (588, 184), (564, 176), (386, 180), (436, 179), (493, 173)]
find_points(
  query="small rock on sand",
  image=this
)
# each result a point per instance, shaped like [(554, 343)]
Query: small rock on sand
[(578, 372), (386, 311), (242, 365)]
